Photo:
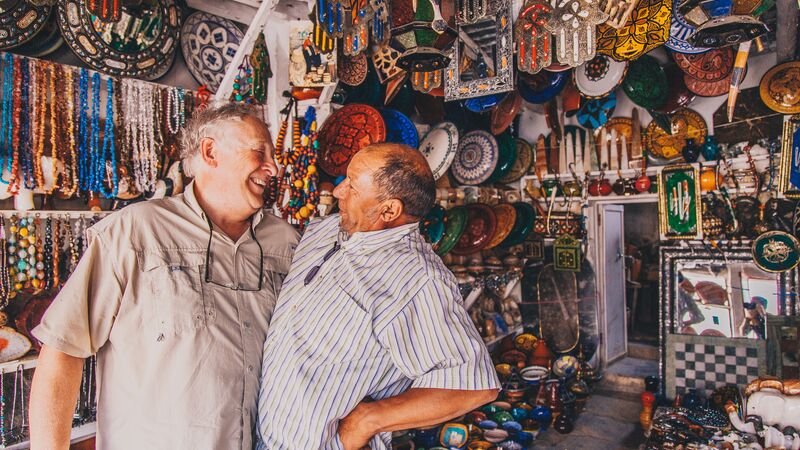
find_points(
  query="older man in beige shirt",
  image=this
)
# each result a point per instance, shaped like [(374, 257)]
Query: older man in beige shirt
[(174, 296)]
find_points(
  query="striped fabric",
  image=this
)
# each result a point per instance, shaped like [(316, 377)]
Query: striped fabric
[(382, 315)]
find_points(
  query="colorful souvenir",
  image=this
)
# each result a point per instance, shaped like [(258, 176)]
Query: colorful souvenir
[(522, 163), (646, 29), (21, 21), (737, 76), (780, 88), (678, 95), (476, 159), (145, 49), (504, 113), (433, 225), (679, 33), (713, 65), (507, 155), (209, 44), (728, 30), (481, 226), (567, 255), (399, 128), (685, 124), (308, 67), (384, 60), (453, 435), (618, 11), (541, 87), (565, 366), (483, 103), (534, 42), (345, 132), (456, 222), (523, 225), (352, 69), (599, 76), (776, 251), (573, 25), (506, 216), (646, 83), (595, 112), (440, 147), (679, 206)]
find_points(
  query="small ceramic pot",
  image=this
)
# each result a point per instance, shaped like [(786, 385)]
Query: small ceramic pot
[(600, 187), (710, 149), (691, 151), (642, 183), (534, 375), (709, 179)]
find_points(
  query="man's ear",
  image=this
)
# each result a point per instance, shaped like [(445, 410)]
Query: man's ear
[(208, 152), (391, 210)]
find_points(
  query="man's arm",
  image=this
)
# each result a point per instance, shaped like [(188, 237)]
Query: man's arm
[(418, 407), (54, 394)]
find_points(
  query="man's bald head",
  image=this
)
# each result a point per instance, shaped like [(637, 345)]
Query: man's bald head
[(403, 173)]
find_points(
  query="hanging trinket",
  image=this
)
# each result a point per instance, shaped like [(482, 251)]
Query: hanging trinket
[(573, 23), (105, 10), (567, 253), (647, 29), (242, 84), (776, 251), (534, 42), (300, 170), (262, 72), (471, 11), (356, 36)]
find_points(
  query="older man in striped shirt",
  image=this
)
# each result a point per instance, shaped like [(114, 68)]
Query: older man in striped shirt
[(368, 311)]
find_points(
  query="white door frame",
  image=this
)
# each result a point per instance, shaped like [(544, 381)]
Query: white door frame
[(599, 234)]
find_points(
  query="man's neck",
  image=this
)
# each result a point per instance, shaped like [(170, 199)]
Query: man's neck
[(218, 210)]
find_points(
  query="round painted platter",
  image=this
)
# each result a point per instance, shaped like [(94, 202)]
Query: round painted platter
[(679, 32), (686, 124), (21, 21), (346, 131), (622, 125), (595, 112), (433, 225), (440, 146), (599, 76), (484, 103), (455, 222), (352, 70), (506, 216), (776, 251), (399, 128), (542, 86), (523, 225), (645, 30), (476, 158), (507, 155), (678, 95), (209, 43), (646, 83), (780, 88), (713, 65), (521, 164), (481, 225), (710, 89), (505, 112)]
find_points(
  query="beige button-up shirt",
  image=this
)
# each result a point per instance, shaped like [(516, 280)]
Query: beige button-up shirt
[(178, 359)]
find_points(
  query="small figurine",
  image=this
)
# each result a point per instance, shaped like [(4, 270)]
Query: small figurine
[(297, 67)]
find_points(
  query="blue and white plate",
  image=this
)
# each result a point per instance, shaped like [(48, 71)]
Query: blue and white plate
[(209, 43), (439, 147), (399, 128), (542, 86), (679, 32), (595, 112), (476, 159), (484, 103)]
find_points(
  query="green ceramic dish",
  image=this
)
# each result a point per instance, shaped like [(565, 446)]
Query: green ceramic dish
[(432, 226), (455, 222), (646, 83), (507, 155), (522, 226)]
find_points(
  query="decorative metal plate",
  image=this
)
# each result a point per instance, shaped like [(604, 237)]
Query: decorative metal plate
[(20, 21), (455, 222), (440, 146), (522, 164), (147, 54), (780, 88), (599, 76), (345, 133), (46, 41), (776, 251), (713, 65), (647, 29), (506, 216), (573, 23), (686, 124), (399, 128), (476, 159), (646, 83), (433, 225), (209, 43), (507, 154)]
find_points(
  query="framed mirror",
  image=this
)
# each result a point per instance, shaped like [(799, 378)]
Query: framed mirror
[(141, 44), (482, 56), (719, 293)]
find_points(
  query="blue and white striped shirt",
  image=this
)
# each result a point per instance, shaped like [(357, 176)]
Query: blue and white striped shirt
[(382, 315)]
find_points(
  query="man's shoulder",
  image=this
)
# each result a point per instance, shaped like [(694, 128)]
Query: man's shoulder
[(277, 232)]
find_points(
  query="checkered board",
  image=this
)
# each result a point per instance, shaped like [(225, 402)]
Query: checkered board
[(705, 363)]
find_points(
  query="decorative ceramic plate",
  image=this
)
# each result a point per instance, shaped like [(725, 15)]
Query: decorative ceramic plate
[(710, 89), (541, 87), (505, 112), (506, 216), (522, 164), (678, 95), (646, 29), (599, 76), (21, 21), (481, 225), (440, 146), (623, 126), (455, 222), (346, 131), (476, 159), (399, 128), (352, 69), (595, 112), (780, 88), (507, 146), (433, 225), (209, 44), (713, 65), (679, 32), (776, 251), (646, 83), (686, 124), (483, 103), (523, 225)]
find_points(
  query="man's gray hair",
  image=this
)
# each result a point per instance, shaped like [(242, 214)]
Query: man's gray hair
[(204, 122)]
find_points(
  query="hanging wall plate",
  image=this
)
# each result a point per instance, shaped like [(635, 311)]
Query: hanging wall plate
[(679, 32), (595, 112), (543, 86), (646, 83), (573, 24), (599, 76), (399, 128), (352, 68), (345, 132), (713, 65), (209, 43), (647, 29), (20, 21), (534, 41), (780, 88), (476, 159), (141, 45), (439, 147), (776, 251), (685, 124), (46, 41), (522, 163)]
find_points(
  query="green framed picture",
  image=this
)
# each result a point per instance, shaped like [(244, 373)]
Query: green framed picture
[(679, 207), (789, 180)]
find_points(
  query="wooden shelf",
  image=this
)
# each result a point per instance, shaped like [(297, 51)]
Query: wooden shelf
[(73, 214), (27, 362)]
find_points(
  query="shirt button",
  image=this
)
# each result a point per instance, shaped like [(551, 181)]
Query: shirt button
[(249, 368), (247, 324)]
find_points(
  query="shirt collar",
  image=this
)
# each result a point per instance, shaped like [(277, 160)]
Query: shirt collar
[(190, 199), (365, 241)]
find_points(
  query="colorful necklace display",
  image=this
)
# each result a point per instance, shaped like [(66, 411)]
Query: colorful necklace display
[(300, 170), (23, 254), (24, 145), (83, 128), (6, 122)]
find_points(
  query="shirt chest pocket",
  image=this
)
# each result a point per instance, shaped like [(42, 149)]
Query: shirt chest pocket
[(176, 299)]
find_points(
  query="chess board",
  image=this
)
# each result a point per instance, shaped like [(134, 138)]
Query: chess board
[(704, 363)]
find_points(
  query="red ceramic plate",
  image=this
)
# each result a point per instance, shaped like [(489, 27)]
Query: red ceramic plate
[(347, 131), (481, 225), (713, 65), (505, 112), (678, 95), (710, 89)]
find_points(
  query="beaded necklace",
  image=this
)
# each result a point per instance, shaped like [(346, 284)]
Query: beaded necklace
[(83, 131), (2, 409), (69, 183), (23, 253), (301, 170), (45, 266), (13, 187), (6, 123), (175, 110), (40, 113), (89, 179), (24, 145), (5, 286), (109, 149), (53, 129), (56, 255)]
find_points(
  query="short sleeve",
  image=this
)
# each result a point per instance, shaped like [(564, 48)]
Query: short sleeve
[(434, 343), (79, 320)]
